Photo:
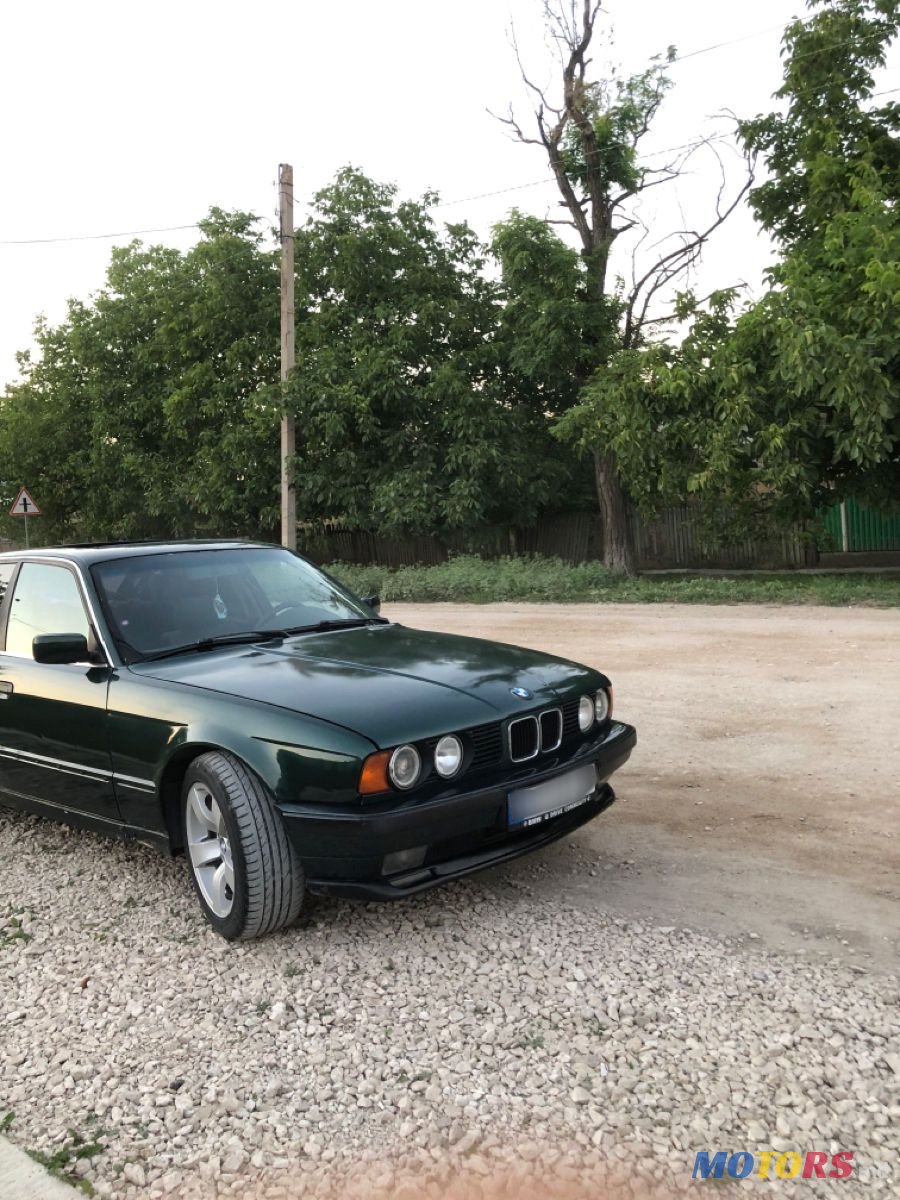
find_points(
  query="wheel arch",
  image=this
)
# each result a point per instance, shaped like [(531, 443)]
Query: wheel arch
[(170, 785), (258, 757), (286, 765)]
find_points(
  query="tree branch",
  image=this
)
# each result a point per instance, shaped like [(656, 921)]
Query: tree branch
[(514, 125), (679, 259)]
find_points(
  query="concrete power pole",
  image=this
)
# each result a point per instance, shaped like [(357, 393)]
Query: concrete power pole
[(288, 433)]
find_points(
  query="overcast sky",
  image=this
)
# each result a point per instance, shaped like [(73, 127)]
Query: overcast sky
[(120, 116)]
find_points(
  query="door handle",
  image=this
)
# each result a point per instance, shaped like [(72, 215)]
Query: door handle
[(6, 688)]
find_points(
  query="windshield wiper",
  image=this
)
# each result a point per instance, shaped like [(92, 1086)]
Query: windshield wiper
[(338, 623), (263, 635), (225, 639)]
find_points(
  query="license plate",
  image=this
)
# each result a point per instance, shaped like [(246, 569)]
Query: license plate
[(543, 801)]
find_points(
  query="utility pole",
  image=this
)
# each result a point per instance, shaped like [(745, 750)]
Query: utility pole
[(288, 433)]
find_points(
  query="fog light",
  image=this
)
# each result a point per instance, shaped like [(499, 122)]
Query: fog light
[(403, 860)]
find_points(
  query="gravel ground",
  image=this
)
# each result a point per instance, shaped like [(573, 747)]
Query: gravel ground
[(450, 1041)]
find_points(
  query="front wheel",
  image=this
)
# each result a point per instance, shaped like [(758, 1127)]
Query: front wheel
[(245, 872)]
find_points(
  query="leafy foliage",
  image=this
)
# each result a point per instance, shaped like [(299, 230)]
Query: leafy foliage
[(149, 411), (830, 150), (554, 328), (153, 409), (619, 112), (429, 382), (795, 402), (410, 414), (818, 358), (656, 406)]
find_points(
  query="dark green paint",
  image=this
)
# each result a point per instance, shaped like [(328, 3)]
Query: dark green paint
[(389, 683)]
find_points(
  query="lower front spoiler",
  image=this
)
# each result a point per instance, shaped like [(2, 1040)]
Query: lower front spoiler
[(455, 868)]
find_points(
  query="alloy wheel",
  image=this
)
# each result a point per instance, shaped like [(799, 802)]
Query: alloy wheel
[(210, 849)]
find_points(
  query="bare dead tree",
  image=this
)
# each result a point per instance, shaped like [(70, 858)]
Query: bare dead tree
[(591, 133)]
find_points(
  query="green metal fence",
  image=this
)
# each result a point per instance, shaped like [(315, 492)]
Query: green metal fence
[(853, 528)]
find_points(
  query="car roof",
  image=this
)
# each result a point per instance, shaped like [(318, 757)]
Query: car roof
[(96, 552)]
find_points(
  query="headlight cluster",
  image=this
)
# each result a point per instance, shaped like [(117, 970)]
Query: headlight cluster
[(404, 766), (594, 709)]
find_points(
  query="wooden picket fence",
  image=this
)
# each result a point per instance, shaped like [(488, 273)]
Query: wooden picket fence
[(674, 540)]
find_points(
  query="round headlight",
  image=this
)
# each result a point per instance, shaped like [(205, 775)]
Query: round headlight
[(404, 766), (448, 755), (602, 702), (586, 713)]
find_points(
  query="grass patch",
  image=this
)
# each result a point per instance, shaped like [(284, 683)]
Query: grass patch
[(61, 1162), (11, 930), (472, 580)]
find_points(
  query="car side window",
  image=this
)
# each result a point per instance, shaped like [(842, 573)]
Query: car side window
[(46, 600)]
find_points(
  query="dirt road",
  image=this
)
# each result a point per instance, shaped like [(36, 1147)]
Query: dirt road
[(764, 797)]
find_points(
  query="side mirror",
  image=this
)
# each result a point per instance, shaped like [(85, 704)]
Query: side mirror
[(374, 602), (59, 648)]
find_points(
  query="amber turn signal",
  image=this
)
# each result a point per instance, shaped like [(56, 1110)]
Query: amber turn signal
[(374, 775)]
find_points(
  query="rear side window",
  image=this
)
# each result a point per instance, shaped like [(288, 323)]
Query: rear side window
[(46, 600)]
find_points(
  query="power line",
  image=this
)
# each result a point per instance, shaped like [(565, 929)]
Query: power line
[(551, 179), (91, 237), (746, 37), (499, 192), (759, 33), (96, 237), (749, 36), (650, 153)]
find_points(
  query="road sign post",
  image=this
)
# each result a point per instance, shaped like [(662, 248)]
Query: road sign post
[(25, 507)]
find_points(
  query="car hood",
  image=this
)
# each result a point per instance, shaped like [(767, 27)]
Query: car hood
[(390, 683)]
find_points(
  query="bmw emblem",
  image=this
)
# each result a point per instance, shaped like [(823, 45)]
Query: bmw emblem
[(520, 693)]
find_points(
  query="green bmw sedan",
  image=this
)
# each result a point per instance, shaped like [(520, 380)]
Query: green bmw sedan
[(231, 701)]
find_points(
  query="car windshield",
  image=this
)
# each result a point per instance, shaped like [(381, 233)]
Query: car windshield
[(160, 602)]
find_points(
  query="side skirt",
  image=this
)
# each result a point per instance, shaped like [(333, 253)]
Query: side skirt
[(82, 820)]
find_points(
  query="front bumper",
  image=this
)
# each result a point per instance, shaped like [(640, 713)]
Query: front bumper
[(343, 849)]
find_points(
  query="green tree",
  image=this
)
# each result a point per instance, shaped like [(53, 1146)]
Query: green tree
[(795, 402), (410, 417), (591, 135), (654, 406), (150, 410), (818, 358)]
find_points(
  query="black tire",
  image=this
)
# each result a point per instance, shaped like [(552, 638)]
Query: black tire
[(268, 877)]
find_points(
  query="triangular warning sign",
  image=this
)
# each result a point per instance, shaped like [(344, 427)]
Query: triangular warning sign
[(24, 505)]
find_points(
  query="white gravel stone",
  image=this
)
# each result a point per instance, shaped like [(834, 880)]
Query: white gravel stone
[(135, 1174), (468, 1034)]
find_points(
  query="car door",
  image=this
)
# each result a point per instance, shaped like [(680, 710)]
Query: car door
[(53, 718)]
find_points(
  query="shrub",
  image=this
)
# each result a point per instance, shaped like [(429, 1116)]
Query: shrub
[(469, 579)]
